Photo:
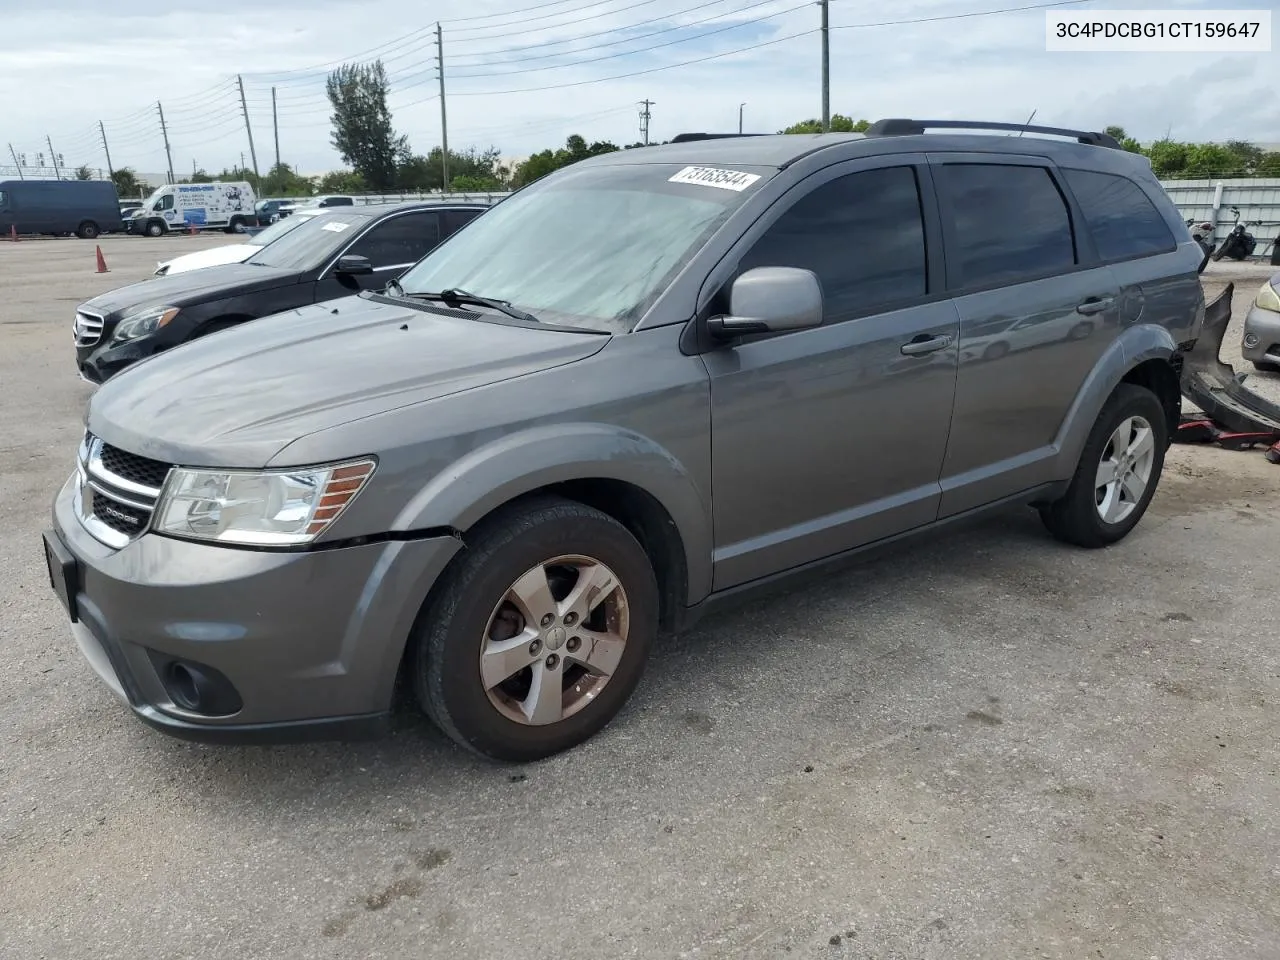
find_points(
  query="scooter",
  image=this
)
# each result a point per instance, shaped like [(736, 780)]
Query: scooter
[(1240, 243), (1202, 233)]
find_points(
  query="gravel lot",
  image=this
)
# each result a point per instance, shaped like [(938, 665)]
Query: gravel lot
[(987, 745)]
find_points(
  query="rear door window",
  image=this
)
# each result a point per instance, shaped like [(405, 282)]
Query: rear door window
[(1009, 223), (455, 220), (1123, 221)]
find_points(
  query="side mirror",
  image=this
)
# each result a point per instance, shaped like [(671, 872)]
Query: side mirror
[(770, 300), (354, 265)]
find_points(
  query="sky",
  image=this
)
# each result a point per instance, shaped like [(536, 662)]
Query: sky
[(522, 75)]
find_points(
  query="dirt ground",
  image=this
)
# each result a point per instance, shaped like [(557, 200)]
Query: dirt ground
[(982, 746)]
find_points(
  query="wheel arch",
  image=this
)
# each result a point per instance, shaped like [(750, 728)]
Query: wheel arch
[(1145, 355)]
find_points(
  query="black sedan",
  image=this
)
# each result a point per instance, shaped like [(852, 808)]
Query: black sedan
[(335, 254)]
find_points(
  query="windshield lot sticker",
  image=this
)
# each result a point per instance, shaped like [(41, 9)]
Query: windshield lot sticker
[(715, 177), (335, 227)]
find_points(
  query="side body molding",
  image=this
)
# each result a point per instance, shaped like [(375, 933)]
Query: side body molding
[(519, 463)]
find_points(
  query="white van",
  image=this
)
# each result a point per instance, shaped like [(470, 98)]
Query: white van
[(204, 206)]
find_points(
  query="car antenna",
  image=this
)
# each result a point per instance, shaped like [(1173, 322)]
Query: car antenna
[(1028, 123)]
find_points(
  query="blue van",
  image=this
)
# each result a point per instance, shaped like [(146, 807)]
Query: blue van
[(83, 207)]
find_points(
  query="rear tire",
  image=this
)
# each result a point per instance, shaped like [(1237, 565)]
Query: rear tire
[(477, 615), (1092, 514), (87, 230), (237, 225)]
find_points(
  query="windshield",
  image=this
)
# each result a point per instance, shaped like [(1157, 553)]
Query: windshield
[(314, 241), (590, 248), (277, 230)]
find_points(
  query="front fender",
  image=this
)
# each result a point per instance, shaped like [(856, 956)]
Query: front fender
[(1134, 346), (520, 463)]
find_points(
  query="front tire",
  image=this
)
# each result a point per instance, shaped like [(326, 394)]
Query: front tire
[(1118, 472), (538, 636), (155, 229)]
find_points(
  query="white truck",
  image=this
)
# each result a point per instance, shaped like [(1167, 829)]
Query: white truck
[(202, 206)]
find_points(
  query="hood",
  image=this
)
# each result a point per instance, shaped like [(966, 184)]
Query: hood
[(230, 253), (191, 287), (239, 397)]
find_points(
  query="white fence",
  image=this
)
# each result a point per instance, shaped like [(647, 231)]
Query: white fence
[(1212, 200)]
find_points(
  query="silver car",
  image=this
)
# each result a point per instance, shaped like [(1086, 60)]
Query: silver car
[(1260, 342), (635, 388)]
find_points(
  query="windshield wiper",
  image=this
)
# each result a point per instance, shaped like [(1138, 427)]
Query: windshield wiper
[(454, 297)]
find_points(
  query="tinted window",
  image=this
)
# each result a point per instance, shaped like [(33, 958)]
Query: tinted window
[(3, 199), (863, 236), (455, 220), (312, 243), (404, 239), (1011, 223), (1122, 219)]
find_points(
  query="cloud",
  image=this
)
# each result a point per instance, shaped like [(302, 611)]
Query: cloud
[(91, 62)]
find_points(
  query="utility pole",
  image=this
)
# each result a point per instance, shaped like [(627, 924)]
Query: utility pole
[(53, 157), (444, 120), (826, 67), (253, 154), (107, 150), (740, 106), (645, 115), (164, 132), (275, 125), (16, 163)]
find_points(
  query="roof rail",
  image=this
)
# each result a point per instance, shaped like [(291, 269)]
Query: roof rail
[(901, 127), (690, 137)]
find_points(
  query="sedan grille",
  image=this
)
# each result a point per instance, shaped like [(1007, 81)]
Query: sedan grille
[(88, 328)]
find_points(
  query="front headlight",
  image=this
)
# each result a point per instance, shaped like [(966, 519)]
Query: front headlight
[(1268, 299), (143, 322), (260, 507)]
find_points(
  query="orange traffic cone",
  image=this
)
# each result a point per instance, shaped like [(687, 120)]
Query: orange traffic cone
[(191, 229), (102, 262), (13, 232)]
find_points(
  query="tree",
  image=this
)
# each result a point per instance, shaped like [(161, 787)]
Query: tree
[(839, 124), (200, 176), (362, 130), (283, 181), (575, 148), (1246, 155), (342, 181), (84, 173), (1269, 165), (128, 184), (1168, 157)]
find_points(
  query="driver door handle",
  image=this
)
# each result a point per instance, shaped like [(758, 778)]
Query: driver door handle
[(926, 345), (1094, 305)]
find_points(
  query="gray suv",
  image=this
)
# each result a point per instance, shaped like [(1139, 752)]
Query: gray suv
[(637, 386)]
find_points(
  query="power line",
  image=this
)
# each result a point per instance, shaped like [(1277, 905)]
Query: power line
[(602, 33), (960, 16), (630, 53), (563, 13)]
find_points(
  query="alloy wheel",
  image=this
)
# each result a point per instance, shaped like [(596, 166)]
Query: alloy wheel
[(1124, 472), (554, 640)]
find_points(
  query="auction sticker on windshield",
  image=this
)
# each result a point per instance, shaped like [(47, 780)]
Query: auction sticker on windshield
[(715, 177), (336, 227)]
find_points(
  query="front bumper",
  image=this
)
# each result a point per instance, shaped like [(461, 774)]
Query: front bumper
[(101, 361), (299, 646), (1261, 339)]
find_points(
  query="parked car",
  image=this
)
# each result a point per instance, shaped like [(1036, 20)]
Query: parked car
[(1260, 342), (86, 208), (231, 252), (268, 211), (638, 386), (204, 206), (315, 203), (338, 254)]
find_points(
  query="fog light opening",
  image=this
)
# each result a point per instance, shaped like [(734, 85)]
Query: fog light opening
[(184, 686), (1250, 339)]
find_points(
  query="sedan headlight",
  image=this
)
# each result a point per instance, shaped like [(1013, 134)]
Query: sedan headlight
[(258, 508), (143, 322), (1268, 299)]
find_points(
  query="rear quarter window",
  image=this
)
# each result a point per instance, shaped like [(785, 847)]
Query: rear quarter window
[(1122, 220)]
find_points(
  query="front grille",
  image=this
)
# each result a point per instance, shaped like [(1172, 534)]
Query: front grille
[(131, 467), (120, 517), (88, 328), (118, 491)]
